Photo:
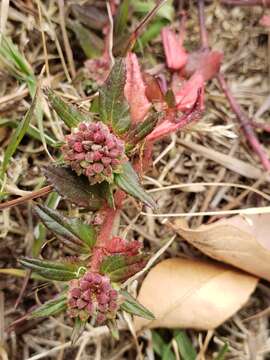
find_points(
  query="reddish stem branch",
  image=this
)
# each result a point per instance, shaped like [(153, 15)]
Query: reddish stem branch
[(243, 119), (265, 3), (34, 194), (245, 123), (203, 31)]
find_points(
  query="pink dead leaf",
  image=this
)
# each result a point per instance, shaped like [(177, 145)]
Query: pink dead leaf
[(265, 21), (135, 89), (239, 241), (187, 95), (176, 55), (206, 62), (193, 294)]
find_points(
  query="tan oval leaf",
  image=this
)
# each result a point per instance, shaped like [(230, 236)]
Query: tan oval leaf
[(193, 294), (240, 241)]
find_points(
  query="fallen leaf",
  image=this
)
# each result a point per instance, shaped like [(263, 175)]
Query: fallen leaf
[(193, 294), (135, 89), (239, 241)]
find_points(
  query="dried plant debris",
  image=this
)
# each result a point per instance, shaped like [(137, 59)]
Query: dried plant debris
[(118, 107)]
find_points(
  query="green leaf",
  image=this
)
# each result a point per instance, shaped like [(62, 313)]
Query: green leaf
[(16, 63), (18, 135), (222, 352), (120, 267), (152, 31), (185, 347), (142, 130), (50, 269), (51, 307), (68, 113), (77, 330), (32, 131), (112, 325), (166, 11), (132, 306), (167, 353), (113, 107), (82, 236), (121, 17), (129, 182), (91, 44), (40, 231), (74, 188)]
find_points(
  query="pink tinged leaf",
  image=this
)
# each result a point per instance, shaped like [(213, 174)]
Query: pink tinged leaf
[(135, 89), (87, 295), (188, 94), (168, 127), (206, 62), (90, 308), (265, 21), (98, 168), (176, 55), (85, 285)]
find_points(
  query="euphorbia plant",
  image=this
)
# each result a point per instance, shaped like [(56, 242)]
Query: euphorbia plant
[(100, 162)]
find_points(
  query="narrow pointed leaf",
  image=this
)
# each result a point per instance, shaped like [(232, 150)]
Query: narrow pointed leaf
[(132, 306), (120, 267), (74, 188), (77, 330), (18, 135), (129, 182), (68, 113), (185, 346), (142, 129), (112, 325), (51, 307), (82, 235), (113, 107), (50, 269), (222, 352)]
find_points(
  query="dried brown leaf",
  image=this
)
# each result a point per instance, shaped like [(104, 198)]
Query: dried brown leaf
[(240, 241), (193, 294)]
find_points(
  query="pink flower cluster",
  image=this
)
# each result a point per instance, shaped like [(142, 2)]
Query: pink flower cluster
[(92, 150), (92, 296)]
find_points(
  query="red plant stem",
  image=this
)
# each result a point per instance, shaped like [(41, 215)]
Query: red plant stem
[(262, 126), (265, 3), (243, 119), (246, 124), (22, 199), (110, 215), (203, 31)]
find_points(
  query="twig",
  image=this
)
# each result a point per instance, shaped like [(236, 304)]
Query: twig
[(65, 38), (246, 2), (244, 121), (35, 194), (203, 31), (137, 32)]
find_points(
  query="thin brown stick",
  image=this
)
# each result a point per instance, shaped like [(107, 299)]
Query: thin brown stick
[(22, 199), (245, 123), (137, 32), (65, 38), (243, 119)]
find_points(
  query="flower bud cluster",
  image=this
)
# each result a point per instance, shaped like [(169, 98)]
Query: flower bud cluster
[(92, 150), (92, 296)]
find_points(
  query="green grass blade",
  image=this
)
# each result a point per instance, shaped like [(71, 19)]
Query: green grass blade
[(222, 352), (18, 135)]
